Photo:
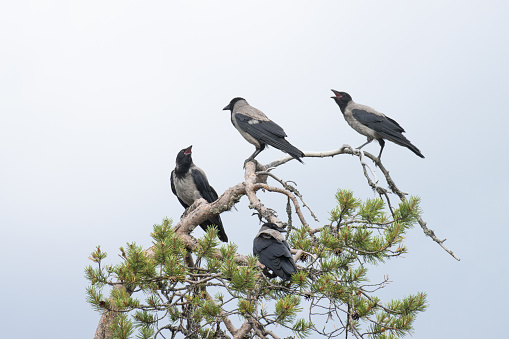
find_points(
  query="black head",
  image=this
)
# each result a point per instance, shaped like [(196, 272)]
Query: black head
[(274, 227), (341, 98), (184, 159), (232, 103)]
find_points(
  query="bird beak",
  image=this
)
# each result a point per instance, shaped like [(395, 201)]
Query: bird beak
[(227, 108), (188, 150), (336, 93)]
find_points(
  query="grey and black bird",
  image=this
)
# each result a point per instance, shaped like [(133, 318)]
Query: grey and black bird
[(273, 251), (188, 183), (371, 123), (259, 130)]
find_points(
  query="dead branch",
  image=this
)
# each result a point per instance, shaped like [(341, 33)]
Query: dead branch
[(347, 149), (290, 189)]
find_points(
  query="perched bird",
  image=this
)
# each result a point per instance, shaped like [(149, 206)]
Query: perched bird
[(259, 130), (371, 123), (273, 251), (189, 182)]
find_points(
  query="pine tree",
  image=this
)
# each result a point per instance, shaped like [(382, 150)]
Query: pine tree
[(195, 288)]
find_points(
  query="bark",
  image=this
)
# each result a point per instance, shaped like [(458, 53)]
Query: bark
[(107, 318)]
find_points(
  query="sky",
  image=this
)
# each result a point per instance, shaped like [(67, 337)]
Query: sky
[(98, 97)]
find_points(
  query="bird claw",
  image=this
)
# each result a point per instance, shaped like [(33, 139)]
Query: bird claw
[(246, 161)]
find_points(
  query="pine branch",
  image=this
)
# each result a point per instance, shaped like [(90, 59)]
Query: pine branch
[(198, 278)]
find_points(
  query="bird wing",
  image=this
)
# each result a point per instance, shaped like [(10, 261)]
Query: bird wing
[(172, 184), (260, 129), (260, 243), (288, 265), (386, 127), (202, 184), (267, 132), (275, 255), (379, 123), (269, 256), (208, 193), (269, 247), (396, 124), (281, 249)]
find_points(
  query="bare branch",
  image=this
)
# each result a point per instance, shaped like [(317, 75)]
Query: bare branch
[(289, 195), (271, 334), (289, 188), (347, 149), (254, 202)]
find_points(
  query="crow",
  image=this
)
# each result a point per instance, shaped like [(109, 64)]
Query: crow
[(273, 251), (371, 123), (259, 130), (189, 182)]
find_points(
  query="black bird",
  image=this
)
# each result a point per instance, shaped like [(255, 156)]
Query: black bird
[(259, 130), (189, 182), (273, 251), (371, 123)]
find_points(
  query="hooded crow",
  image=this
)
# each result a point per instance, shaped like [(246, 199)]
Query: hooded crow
[(259, 130), (371, 123), (273, 251), (188, 183)]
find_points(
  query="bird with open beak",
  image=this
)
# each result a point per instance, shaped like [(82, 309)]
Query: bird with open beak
[(189, 182), (371, 123)]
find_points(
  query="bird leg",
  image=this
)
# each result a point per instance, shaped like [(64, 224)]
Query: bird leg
[(256, 152), (382, 144), (367, 142)]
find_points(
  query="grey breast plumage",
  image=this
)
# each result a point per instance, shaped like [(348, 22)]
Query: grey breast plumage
[(185, 186)]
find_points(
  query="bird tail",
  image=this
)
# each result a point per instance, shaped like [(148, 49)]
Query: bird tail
[(400, 139), (215, 221), (293, 151), (414, 149)]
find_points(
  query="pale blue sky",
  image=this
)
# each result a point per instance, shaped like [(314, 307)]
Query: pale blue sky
[(97, 98)]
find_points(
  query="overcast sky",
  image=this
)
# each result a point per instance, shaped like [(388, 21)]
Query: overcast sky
[(97, 98)]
